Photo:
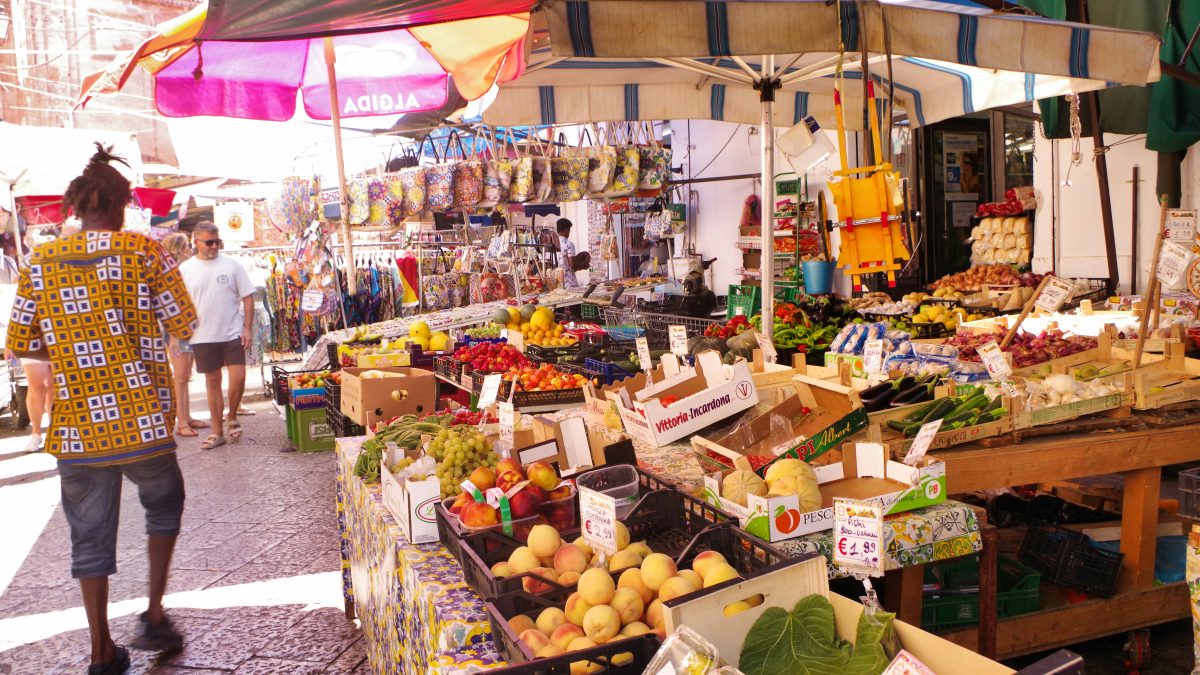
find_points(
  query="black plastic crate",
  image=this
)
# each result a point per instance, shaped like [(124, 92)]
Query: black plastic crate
[(280, 387), (609, 656), (667, 519), (333, 394), (448, 367), (1189, 493), (550, 354), (343, 426), (1067, 558)]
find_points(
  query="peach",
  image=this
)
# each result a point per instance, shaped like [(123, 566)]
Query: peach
[(719, 574), (483, 478), (640, 548), (509, 464), (634, 629), (706, 560), (550, 619), (543, 541), (585, 667), (534, 639), (601, 623), (629, 604), (542, 475), (570, 558), (549, 650), (479, 514), (656, 569), (576, 608), (521, 623), (622, 659), (735, 608), (501, 569), (522, 560), (580, 643), (547, 562), (622, 536), (632, 578), (596, 587), (584, 546), (654, 614), (568, 578), (564, 634), (624, 560), (675, 587), (692, 576), (534, 585)]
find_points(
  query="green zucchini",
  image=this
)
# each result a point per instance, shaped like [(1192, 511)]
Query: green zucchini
[(897, 425), (920, 412), (974, 402), (941, 409)]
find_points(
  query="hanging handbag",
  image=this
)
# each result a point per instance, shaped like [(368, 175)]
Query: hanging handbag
[(568, 170), (394, 198), (497, 174), (608, 240), (468, 175), (658, 221), (360, 205), (412, 182), (626, 167), (543, 187), (602, 165), (520, 190), (439, 180), (654, 163)]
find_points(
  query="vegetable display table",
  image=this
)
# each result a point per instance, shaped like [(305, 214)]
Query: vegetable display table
[(1139, 456), (420, 617)]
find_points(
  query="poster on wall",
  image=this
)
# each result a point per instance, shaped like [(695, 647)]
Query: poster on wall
[(961, 213), (235, 220), (962, 163)]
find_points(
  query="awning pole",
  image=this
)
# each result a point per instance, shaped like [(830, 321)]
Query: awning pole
[(344, 200), (767, 87)]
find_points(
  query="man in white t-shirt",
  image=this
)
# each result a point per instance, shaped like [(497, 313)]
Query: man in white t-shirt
[(224, 300), (566, 253)]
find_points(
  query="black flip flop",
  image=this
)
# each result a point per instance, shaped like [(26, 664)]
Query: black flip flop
[(118, 665)]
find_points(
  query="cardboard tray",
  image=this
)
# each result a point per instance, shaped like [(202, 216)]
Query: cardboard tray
[(864, 473), (836, 414), (785, 585), (363, 397)]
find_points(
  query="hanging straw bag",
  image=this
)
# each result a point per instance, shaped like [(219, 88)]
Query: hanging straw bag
[(608, 240), (654, 163), (568, 170), (626, 166), (520, 189), (412, 183), (658, 220), (468, 176), (497, 175), (360, 205), (394, 198), (439, 181), (602, 164), (543, 186)]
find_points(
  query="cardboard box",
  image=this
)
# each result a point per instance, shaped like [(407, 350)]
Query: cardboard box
[(707, 395), (864, 473), (703, 612), (412, 503), (580, 446), (855, 361), (834, 415), (362, 396)]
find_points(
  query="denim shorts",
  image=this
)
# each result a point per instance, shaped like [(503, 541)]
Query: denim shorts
[(91, 499)]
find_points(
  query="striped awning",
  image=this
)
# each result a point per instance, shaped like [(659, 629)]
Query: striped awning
[(684, 59)]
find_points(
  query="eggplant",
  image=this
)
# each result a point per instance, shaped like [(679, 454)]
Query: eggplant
[(919, 392), (878, 397)]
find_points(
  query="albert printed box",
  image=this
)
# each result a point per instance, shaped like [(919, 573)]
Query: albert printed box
[(411, 502), (864, 474), (705, 395)]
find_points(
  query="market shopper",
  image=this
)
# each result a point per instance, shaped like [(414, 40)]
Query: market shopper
[(94, 305), (224, 300), (180, 352), (566, 253)]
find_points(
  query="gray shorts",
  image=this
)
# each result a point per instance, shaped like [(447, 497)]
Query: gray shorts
[(91, 499)]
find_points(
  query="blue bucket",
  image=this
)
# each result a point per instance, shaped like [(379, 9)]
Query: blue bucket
[(818, 277)]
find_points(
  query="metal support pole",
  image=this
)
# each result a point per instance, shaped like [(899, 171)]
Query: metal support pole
[(767, 87)]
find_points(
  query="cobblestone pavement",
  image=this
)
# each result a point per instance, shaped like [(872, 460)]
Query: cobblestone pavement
[(254, 584)]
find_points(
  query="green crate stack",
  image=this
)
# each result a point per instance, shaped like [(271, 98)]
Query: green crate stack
[(309, 430), (957, 603), (744, 299)]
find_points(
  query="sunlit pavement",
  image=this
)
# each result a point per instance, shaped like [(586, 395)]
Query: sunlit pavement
[(254, 586)]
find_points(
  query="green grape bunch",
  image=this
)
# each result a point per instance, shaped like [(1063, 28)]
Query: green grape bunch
[(458, 451)]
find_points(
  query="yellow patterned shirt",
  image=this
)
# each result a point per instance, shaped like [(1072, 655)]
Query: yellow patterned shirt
[(99, 302)]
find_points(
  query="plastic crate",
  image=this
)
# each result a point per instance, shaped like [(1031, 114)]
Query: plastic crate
[(469, 341), (549, 354), (606, 372), (666, 518), (744, 300), (503, 608), (280, 386), (343, 426), (957, 602), (529, 399), (589, 312), (1067, 558), (448, 367), (1189, 493)]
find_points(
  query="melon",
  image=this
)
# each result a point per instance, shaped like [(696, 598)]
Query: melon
[(500, 316), (740, 483), (527, 311), (419, 329), (790, 467)]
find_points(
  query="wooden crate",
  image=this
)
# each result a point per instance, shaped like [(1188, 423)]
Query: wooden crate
[(1168, 379), (897, 445)]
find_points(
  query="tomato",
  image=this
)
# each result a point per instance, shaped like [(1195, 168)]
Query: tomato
[(669, 400)]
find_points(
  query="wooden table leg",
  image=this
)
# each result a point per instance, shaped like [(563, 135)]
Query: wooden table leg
[(903, 593), (1139, 527), (988, 579)]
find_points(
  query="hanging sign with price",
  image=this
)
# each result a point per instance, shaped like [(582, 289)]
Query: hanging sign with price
[(504, 410), (858, 536), (1180, 226), (920, 444), (678, 338), (1055, 294), (1172, 263), (643, 351), (767, 347), (489, 390), (873, 356), (996, 361)]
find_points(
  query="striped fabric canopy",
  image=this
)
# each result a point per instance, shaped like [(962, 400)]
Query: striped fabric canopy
[(686, 59)]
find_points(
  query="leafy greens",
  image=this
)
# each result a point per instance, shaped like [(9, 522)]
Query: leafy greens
[(804, 641)]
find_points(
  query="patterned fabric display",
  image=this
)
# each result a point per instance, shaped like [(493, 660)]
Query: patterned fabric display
[(568, 176), (360, 204), (468, 183), (98, 302), (412, 182), (377, 194)]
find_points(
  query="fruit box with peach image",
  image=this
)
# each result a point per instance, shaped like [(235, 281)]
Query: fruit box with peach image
[(816, 418), (685, 403), (864, 473), (412, 502)]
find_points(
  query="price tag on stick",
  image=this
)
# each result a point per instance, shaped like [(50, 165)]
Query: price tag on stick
[(997, 362), (489, 390), (767, 347), (1172, 263), (1054, 295), (858, 536), (504, 410), (679, 341), (873, 356), (598, 520), (920, 444), (643, 351)]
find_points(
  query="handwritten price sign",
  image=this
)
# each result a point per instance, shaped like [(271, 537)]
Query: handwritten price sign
[(995, 361), (873, 356), (1172, 263), (643, 352), (858, 536), (678, 338), (1056, 293)]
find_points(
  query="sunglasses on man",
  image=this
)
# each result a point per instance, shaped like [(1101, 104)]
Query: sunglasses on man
[(208, 242)]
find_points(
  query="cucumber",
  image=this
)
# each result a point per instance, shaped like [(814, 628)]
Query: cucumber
[(912, 429), (994, 404), (897, 425), (919, 412), (941, 408), (972, 403), (958, 416)]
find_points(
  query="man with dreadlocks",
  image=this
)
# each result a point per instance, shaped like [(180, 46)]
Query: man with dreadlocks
[(95, 304)]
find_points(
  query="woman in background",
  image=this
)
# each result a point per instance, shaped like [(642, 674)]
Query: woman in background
[(179, 351)]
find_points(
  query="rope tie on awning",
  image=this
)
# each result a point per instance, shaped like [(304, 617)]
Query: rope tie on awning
[(198, 71)]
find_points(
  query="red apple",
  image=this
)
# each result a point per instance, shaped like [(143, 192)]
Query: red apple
[(543, 475), (480, 514), (527, 501)]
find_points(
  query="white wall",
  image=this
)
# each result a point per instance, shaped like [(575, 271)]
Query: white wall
[(1073, 211)]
